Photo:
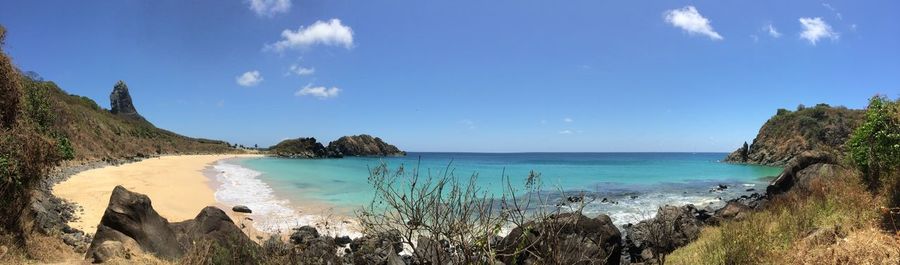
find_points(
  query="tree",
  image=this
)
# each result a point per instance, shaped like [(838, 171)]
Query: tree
[(874, 147)]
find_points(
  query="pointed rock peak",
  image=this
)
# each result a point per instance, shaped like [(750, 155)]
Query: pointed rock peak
[(120, 101)]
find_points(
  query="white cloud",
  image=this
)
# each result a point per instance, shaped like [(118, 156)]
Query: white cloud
[(300, 70), (248, 79), (269, 8), (815, 29), (319, 92), (331, 33), (568, 120), (688, 19), (773, 31), (566, 132)]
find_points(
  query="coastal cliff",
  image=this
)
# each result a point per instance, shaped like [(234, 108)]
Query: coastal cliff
[(789, 133), (363, 145)]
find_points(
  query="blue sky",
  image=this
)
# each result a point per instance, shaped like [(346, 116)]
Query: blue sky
[(482, 76)]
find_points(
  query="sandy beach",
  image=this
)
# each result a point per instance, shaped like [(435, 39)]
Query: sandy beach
[(176, 185)]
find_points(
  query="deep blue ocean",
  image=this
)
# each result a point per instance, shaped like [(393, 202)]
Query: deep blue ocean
[(635, 184)]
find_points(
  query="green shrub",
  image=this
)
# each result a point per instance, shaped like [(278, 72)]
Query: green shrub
[(874, 147), (66, 151)]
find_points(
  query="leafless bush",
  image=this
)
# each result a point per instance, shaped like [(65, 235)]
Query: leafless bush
[(443, 219)]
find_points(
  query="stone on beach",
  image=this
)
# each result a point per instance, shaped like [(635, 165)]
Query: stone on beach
[(241, 209)]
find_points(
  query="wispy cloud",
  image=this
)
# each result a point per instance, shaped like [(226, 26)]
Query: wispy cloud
[(567, 119), (300, 70), (269, 8), (566, 132), (836, 13), (772, 31), (319, 92), (248, 79), (815, 29), (690, 20), (469, 124), (330, 33)]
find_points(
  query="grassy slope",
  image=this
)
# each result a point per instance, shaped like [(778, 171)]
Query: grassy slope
[(840, 221), (96, 134)]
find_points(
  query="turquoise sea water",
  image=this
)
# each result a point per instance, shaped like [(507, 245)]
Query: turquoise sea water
[(634, 183)]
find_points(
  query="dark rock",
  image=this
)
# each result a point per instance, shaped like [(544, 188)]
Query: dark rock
[(241, 209), (806, 177), (363, 145), (574, 199), (733, 210), (300, 148), (109, 250), (376, 248), (130, 217), (131, 221), (213, 224), (304, 234), (120, 102), (750, 189), (785, 181), (571, 237), (342, 240), (673, 227)]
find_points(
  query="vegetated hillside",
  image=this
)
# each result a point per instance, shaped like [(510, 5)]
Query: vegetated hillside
[(363, 145), (789, 133), (95, 133)]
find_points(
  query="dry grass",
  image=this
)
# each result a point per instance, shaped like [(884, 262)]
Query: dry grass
[(867, 246), (828, 222)]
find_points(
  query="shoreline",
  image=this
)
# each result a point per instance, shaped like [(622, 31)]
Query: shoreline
[(175, 184), (272, 212)]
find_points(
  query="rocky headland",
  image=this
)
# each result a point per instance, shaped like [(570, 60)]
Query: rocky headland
[(786, 135)]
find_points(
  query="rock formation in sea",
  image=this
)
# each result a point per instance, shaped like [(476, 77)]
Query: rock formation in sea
[(300, 148), (120, 102), (789, 133), (363, 145)]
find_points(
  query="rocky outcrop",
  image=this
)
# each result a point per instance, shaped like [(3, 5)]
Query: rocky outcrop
[(673, 227), (131, 225), (120, 102), (571, 237), (363, 145), (789, 133), (130, 219), (789, 176), (300, 148)]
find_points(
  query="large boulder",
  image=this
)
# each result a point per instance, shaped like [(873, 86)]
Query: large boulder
[(212, 224), (673, 227), (363, 145), (569, 238), (785, 181), (129, 217), (134, 226)]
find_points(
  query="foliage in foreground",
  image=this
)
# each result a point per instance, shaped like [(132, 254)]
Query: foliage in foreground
[(874, 147), (793, 226)]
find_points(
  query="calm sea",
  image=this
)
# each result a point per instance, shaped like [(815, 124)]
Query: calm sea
[(634, 184)]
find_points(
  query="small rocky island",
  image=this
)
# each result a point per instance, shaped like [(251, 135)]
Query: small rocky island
[(355, 145)]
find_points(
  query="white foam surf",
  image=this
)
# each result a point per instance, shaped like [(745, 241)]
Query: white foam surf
[(242, 186)]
